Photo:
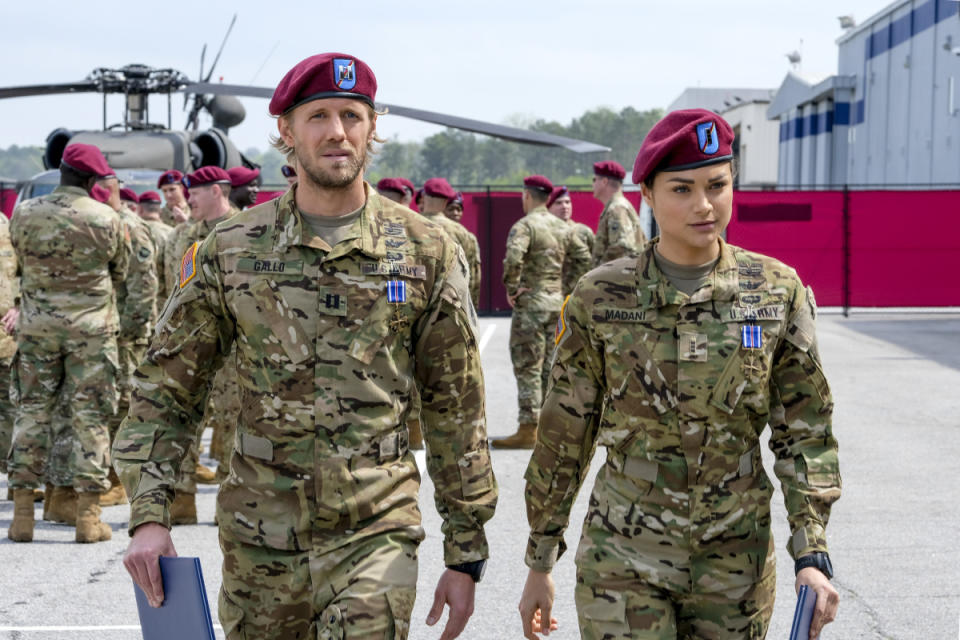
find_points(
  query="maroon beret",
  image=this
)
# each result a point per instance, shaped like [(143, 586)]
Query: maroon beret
[(409, 186), (240, 176), (556, 193), (128, 194), (684, 139), (204, 176), (328, 75), (457, 198), (100, 194), (288, 171), (169, 177), (391, 184), (86, 158), (150, 196), (539, 183), (438, 188), (609, 169)]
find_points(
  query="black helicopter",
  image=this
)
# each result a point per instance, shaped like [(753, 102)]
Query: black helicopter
[(137, 143)]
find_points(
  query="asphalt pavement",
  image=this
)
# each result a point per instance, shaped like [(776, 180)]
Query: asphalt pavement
[(893, 534)]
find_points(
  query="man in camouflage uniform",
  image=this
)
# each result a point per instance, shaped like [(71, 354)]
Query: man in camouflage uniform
[(160, 233), (454, 208), (561, 205), (677, 375), (176, 210), (9, 293), (210, 205), (340, 303), (618, 231), (73, 253), (244, 187), (537, 248), (392, 189)]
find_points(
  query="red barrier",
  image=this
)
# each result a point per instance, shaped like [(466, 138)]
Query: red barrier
[(854, 248)]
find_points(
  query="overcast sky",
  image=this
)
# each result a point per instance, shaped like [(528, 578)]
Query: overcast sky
[(494, 60)]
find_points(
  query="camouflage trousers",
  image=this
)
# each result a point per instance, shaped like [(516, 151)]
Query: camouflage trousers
[(221, 414), (7, 415), (362, 591), (682, 572), (82, 373), (59, 471), (532, 336)]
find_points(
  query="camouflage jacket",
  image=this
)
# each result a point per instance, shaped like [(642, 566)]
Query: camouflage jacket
[(664, 381), (137, 294), (180, 240), (166, 215), (618, 232), (9, 289), (572, 271), (330, 350), (73, 253), (538, 246), (468, 242), (160, 233)]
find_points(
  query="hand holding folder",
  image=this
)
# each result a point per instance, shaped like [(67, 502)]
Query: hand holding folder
[(803, 614), (185, 612)]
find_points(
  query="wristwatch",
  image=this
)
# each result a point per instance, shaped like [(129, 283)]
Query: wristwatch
[(818, 560), (473, 569)]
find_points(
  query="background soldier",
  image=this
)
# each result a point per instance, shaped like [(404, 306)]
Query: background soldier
[(340, 303), (210, 205), (409, 190), (290, 174), (618, 231), (454, 208), (129, 200), (73, 252), (437, 192), (9, 294), (392, 189), (561, 205), (537, 247), (676, 361), (150, 213), (176, 211), (244, 187)]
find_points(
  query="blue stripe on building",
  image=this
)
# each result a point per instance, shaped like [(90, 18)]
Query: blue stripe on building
[(905, 27)]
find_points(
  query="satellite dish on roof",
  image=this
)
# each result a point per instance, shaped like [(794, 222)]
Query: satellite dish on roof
[(794, 57)]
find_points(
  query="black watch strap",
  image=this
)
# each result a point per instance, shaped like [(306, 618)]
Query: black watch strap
[(818, 560), (473, 569)]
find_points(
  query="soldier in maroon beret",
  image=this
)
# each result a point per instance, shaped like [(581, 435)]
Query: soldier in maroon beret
[(129, 199), (244, 186), (176, 210), (349, 315), (392, 189), (454, 208), (560, 204), (290, 174), (618, 230), (677, 361), (437, 192)]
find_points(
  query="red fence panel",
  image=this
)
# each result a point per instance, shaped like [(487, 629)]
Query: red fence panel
[(803, 229)]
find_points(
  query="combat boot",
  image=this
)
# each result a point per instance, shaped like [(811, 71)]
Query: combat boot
[(184, 509), (115, 495), (62, 507), (524, 438), (21, 529), (38, 495), (204, 475), (415, 434), (89, 526)]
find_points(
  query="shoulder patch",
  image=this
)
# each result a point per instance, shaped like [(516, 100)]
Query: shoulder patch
[(188, 265)]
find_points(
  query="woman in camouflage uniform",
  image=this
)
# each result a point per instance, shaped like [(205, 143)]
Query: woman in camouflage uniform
[(676, 361)]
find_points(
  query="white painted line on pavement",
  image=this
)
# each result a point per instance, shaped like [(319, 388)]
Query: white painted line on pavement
[(486, 336)]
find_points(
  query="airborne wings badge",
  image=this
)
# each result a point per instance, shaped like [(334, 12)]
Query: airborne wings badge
[(188, 265)]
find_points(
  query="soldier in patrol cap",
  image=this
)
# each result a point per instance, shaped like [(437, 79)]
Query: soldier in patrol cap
[(537, 248), (618, 231), (176, 210), (340, 303), (560, 204), (73, 252), (244, 187), (676, 361)]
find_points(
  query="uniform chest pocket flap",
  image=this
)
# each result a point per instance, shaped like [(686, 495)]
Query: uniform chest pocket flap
[(281, 320)]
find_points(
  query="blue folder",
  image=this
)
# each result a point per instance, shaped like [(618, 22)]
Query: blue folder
[(185, 612), (803, 615)]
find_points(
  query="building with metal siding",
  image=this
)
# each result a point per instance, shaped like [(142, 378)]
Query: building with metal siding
[(891, 116)]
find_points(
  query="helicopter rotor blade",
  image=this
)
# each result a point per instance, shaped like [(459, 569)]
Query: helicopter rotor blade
[(505, 132), (218, 88), (222, 45), (48, 89)]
